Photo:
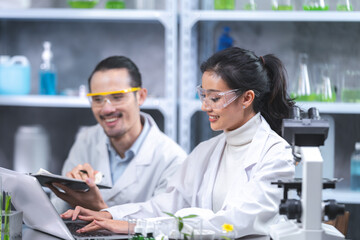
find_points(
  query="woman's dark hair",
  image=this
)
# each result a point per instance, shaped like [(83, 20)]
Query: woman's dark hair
[(266, 76), (117, 62)]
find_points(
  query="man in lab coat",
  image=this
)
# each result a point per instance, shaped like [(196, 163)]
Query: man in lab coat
[(126, 146)]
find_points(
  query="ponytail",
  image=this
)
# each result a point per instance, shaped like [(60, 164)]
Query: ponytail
[(276, 104)]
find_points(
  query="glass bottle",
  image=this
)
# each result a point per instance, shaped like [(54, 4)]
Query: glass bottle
[(250, 5), (301, 87), (225, 40), (282, 5), (327, 92), (344, 5), (115, 4), (83, 3), (355, 168), (47, 73), (350, 89), (316, 5), (224, 4)]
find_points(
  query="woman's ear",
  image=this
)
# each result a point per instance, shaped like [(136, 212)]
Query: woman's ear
[(248, 98), (141, 96)]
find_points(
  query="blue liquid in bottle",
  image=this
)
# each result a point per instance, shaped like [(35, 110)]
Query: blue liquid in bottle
[(48, 83), (47, 73), (355, 168)]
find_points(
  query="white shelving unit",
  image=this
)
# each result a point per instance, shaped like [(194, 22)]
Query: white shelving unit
[(167, 105), (160, 104), (189, 55)]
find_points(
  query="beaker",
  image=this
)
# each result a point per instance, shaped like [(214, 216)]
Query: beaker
[(325, 90), (224, 4), (344, 5), (282, 5), (350, 89), (301, 89), (249, 5), (316, 5)]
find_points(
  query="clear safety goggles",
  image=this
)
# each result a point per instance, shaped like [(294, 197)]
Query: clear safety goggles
[(115, 98), (217, 100)]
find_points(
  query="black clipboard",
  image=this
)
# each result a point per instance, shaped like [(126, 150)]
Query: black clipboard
[(74, 184)]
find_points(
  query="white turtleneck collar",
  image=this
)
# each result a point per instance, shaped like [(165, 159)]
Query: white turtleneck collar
[(244, 134)]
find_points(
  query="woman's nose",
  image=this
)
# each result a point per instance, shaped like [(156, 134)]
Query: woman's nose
[(205, 107)]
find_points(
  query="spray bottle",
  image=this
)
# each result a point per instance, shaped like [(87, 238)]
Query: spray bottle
[(47, 73)]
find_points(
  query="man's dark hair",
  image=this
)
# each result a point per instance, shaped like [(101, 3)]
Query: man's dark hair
[(118, 62)]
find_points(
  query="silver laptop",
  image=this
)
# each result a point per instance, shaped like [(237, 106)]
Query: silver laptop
[(28, 196)]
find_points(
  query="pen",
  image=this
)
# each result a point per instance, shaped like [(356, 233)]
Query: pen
[(84, 171)]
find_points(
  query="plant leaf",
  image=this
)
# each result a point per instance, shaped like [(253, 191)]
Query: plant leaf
[(170, 214), (181, 225), (190, 216)]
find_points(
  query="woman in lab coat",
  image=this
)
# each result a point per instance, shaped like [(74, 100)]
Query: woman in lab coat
[(226, 179)]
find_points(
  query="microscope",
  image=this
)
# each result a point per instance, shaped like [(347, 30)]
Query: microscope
[(304, 217)]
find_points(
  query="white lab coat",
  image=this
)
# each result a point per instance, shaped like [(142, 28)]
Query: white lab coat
[(147, 174), (252, 204)]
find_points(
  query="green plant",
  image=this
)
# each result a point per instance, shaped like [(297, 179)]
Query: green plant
[(180, 223)]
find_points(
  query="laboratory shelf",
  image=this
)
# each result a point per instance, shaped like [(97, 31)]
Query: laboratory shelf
[(324, 107), (167, 17), (190, 106), (69, 102), (86, 14), (281, 16)]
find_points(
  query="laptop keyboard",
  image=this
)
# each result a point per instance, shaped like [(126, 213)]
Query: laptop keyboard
[(73, 226)]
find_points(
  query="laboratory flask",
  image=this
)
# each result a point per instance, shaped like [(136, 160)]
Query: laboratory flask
[(316, 5), (32, 149), (224, 4), (249, 5), (323, 83), (301, 89), (344, 5), (350, 86), (282, 5), (355, 168)]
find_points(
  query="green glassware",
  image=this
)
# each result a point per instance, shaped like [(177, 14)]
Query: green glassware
[(282, 5), (316, 5), (344, 8), (82, 3), (344, 5), (250, 5), (113, 4), (314, 8), (282, 8), (224, 4), (350, 95)]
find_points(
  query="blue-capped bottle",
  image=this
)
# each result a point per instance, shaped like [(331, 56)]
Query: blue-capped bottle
[(225, 40), (355, 168), (47, 73)]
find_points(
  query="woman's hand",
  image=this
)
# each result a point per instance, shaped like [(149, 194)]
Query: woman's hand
[(115, 226), (80, 212)]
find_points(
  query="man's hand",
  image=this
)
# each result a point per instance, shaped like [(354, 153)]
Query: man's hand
[(82, 172), (91, 199)]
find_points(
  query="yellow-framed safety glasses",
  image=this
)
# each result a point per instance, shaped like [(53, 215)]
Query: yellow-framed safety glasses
[(114, 97)]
